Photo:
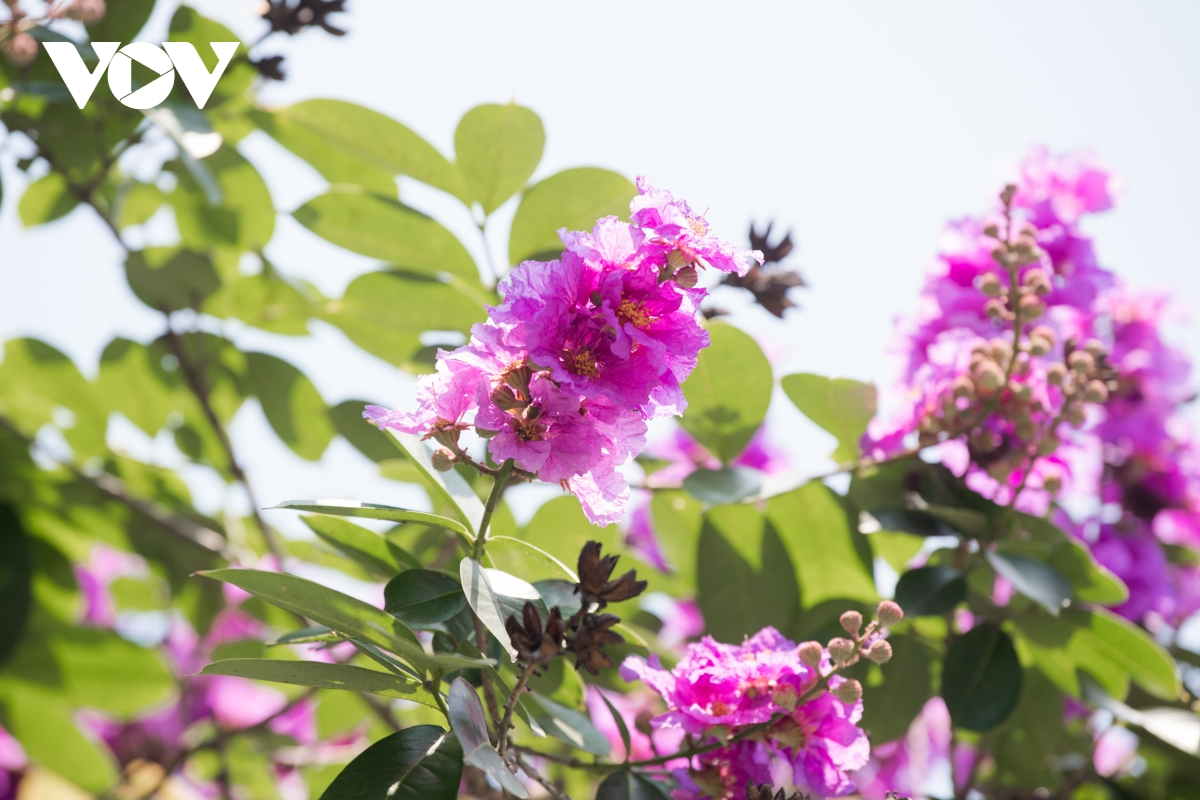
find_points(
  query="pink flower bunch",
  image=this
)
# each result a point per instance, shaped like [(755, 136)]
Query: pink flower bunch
[(566, 371), (994, 411), (720, 689), (13, 763)]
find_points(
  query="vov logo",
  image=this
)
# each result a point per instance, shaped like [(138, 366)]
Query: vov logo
[(178, 57)]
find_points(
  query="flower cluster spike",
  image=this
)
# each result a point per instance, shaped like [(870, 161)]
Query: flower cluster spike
[(583, 351)]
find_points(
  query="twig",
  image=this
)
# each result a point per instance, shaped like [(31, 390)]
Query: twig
[(506, 720), (196, 384), (546, 784)]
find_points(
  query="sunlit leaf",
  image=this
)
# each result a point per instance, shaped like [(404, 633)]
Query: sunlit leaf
[(381, 557), (354, 508), (320, 675), (1035, 579), (291, 403), (498, 148), (423, 596), (47, 199), (423, 762), (981, 679), (839, 405), (728, 392), (573, 199), (890, 707)]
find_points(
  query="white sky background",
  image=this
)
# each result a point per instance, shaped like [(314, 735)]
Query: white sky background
[(862, 126)]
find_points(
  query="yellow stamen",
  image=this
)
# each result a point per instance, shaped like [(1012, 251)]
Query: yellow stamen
[(634, 313), (583, 363)]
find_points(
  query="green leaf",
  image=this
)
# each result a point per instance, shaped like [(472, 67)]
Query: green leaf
[(561, 594), (168, 279), (123, 22), (16, 587), (353, 508), (348, 421), (727, 393), (1062, 652), (245, 216), (1133, 649), (722, 486), (348, 143), (678, 518), (446, 488), (387, 230), (266, 300), (889, 708), (1090, 582), (324, 676), (43, 721), (139, 204), (930, 591), (423, 596), (498, 148), (981, 679), (1035, 579), (327, 607), (47, 199), (573, 199), (560, 529), (34, 379), (423, 762), (568, 725), (385, 313), (381, 557), (317, 633), (1026, 748), (839, 405), (629, 786), (532, 551), (814, 529), (496, 595), (619, 721), (470, 726), (291, 404), (744, 576)]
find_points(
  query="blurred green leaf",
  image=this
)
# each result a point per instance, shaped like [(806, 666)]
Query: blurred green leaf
[(245, 217), (423, 596), (1118, 640), (43, 721), (423, 762), (385, 313), (619, 721), (573, 199), (841, 406), (16, 589), (629, 786), (897, 549), (890, 707), (744, 575), (530, 553), (498, 148), (447, 488), (1027, 747), (168, 279), (324, 676), (470, 726), (381, 557), (723, 486), (387, 230), (139, 204), (1090, 582), (348, 143), (291, 404), (265, 301), (568, 725), (47, 199), (1035, 579), (122, 22), (328, 607), (930, 591), (34, 379), (677, 519), (728, 392), (348, 421), (981, 678), (353, 508), (813, 527)]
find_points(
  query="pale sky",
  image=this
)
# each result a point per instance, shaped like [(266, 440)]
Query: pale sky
[(862, 126)]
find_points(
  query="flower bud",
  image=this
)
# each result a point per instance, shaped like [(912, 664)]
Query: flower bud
[(1001, 351), (1096, 348), (991, 230), (841, 651), (964, 387), (990, 377), (687, 277), (89, 12), (851, 622), (1056, 374), (1031, 306), (849, 692), (989, 284), (889, 613), (1048, 445), (1081, 361), (22, 49), (995, 308), (506, 399), (1044, 332), (1052, 482), (1096, 392), (1000, 253), (1076, 415), (1039, 346), (443, 460), (1038, 281), (1007, 194), (788, 733), (811, 654), (786, 697), (1022, 391), (880, 652), (677, 259)]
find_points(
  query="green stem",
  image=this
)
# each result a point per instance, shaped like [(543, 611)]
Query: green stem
[(492, 501)]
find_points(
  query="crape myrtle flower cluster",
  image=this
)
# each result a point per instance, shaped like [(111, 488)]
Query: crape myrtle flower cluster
[(566, 371), (1001, 362), (768, 702)]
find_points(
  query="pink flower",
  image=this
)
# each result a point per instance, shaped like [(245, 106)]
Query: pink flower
[(636, 710), (1115, 751), (104, 566), (728, 685), (672, 227), (908, 765), (13, 762), (444, 399), (825, 744), (724, 773)]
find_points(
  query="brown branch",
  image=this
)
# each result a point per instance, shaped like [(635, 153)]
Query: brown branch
[(506, 720), (545, 783)]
